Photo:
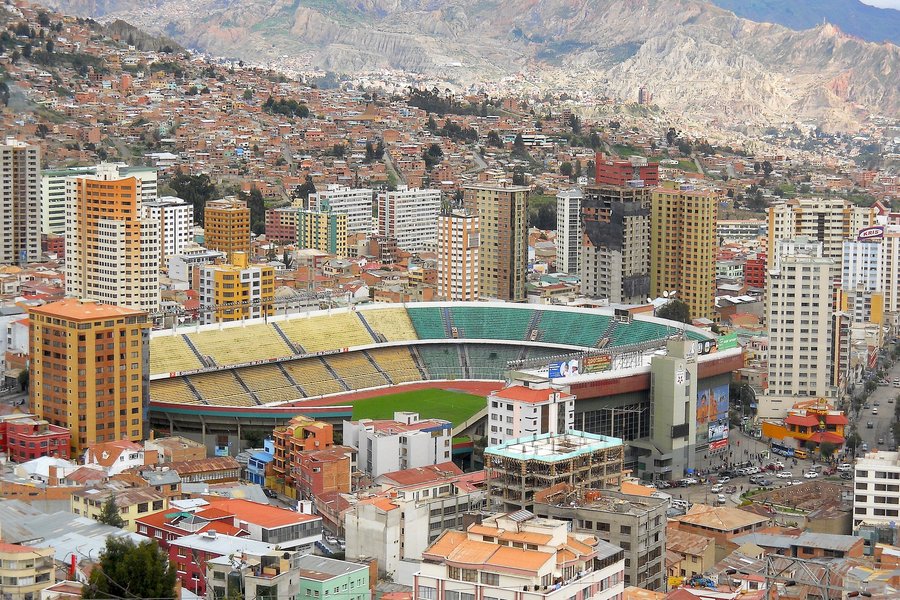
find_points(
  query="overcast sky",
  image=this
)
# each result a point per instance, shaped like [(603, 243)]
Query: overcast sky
[(884, 3)]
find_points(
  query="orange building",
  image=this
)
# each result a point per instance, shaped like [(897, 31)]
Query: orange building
[(307, 463), (226, 226), (809, 421), (89, 369)]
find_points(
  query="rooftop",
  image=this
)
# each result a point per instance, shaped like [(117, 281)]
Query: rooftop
[(419, 475), (84, 310), (530, 395), (221, 544), (554, 447), (722, 518), (260, 514), (321, 568)]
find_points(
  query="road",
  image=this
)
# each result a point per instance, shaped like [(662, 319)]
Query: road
[(883, 400)]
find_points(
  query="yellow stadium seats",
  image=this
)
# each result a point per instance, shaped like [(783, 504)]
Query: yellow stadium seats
[(236, 345), (172, 390), (217, 385), (398, 363), (326, 332), (312, 376), (269, 384), (356, 370), (170, 353), (392, 323)]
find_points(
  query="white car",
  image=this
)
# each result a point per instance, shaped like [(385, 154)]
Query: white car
[(810, 474), (752, 470), (721, 499), (785, 475), (716, 488), (845, 467), (796, 481)]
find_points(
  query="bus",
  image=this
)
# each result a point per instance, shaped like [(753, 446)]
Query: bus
[(782, 449), (800, 453)]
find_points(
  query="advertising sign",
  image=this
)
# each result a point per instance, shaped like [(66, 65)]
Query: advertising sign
[(596, 364), (564, 368), (727, 341), (712, 414), (870, 233)]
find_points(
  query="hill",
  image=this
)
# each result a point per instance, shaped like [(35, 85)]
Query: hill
[(694, 57), (851, 16)]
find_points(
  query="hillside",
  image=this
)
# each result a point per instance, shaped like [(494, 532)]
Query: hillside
[(694, 57), (851, 16)]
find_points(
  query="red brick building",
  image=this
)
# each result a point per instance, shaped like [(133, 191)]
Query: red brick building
[(281, 225), (755, 271), (24, 437), (618, 173), (306, 462)]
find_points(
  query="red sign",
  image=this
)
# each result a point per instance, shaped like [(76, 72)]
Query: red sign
[(718, 445)]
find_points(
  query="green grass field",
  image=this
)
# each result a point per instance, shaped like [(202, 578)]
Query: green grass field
[(455, 407)]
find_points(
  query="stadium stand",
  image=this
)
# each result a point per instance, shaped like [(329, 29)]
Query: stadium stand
[(327, 332), (229, 346), (393, 323), (312, 376), (269, 384), (173, 390), (170, 353), (563, 327), (490, 323), (398, 363), (356, 370), (488, 361), (215, 385), (441, 361), (428, 323), (636, 332)]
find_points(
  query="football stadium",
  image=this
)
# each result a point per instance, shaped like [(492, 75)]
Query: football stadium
[(215, 382)]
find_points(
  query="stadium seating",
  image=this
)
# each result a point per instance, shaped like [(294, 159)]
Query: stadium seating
[(393, 323), (487, 361), (428, 323), (356, 370), (269, 384), (398, 363), (638, 332), (579, 329), (172, 390), (235, 345), (488, 322), (219, 384), (170, 353), (243, 399), (312, 376), (441, 361), (327, 332)]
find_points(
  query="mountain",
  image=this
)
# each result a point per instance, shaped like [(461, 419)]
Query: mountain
[(851, 16), (693, 56)]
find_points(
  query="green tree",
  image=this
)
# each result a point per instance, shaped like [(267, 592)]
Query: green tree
[(23, 379), (304, 189), (127, 570), (566, 169), (248, 94), (109, 513), (518, 176), (43, 19), (826, 449), (853, 441), (493, 139), (675, 310), (196, 189)]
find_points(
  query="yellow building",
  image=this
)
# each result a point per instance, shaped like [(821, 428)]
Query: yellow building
[(322, 230), (458, 249), (89, 370), (683, 246), (502, 212), (810, 423), (133, 503), (226, 226), (236, 291), (25, 571)]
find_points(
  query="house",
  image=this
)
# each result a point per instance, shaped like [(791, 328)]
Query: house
[(721, 523), (118, 456), (191, 553), (176, 449), (219, 469), (133, 502)]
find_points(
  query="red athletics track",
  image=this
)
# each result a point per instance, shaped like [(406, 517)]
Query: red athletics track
[(479, 388)]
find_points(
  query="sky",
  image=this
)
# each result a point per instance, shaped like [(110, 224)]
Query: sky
[(883, 3)]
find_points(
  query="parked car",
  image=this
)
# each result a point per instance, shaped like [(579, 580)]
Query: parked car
[(716, 488), (796, 481), (785, 475), (725, 479), (843, 467), (897, 382), (752, 470), (847, 475), (874, 411), (810, 474), (870, 425), (721, 499), (880, 441)]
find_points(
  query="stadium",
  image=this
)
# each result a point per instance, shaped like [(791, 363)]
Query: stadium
[(215, 383)]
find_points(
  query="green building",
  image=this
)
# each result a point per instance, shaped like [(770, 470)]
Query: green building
[(322, 577)]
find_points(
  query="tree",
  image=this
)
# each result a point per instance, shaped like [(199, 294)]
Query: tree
[(493, 139), (518, 176), (23, 379), (248, 94), (826, 449), (519, 143), (127, 570), (675, 310), (26, 50), (109, 514), (304, 189), (257, 207), (196, 189), (44, 19), (566, 169), (767, 168)]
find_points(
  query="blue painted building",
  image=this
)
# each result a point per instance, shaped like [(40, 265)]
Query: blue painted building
[(256, 466)]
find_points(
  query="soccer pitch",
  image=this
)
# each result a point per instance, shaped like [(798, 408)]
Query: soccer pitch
[(455, 407)]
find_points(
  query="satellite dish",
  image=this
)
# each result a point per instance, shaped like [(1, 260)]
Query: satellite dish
[(665, 294), (649, 300)]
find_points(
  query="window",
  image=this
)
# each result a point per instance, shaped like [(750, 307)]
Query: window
[(425, 593), (490, 578)]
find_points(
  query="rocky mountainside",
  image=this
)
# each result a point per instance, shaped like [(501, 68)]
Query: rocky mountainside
[(692, 55), (852, 16)]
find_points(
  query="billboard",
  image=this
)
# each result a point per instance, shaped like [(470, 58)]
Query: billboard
[(596, 364), (712, 414), (875, 232), (565, 368), (727, 341)]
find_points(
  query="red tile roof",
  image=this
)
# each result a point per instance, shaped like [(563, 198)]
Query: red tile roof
[(804, 421), (425, 474), (836, 420), (524, 394), (263, 515)]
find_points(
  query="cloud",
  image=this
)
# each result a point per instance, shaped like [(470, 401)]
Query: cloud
[(895, 4)]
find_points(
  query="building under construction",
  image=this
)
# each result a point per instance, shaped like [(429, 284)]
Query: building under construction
[(518, 468)]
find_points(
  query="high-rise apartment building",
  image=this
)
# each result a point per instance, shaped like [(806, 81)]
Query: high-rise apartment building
[(237, 291), (568, 231), (683, 248), (827, 220), (458, 250), (356, 203), (176, 224), (876, 494), (226, 226), (799, 316), (517, 411), (112, 251), (411, 217), (20, 202), (323, 230), (89, 370), (890, 273), (503, 221)]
